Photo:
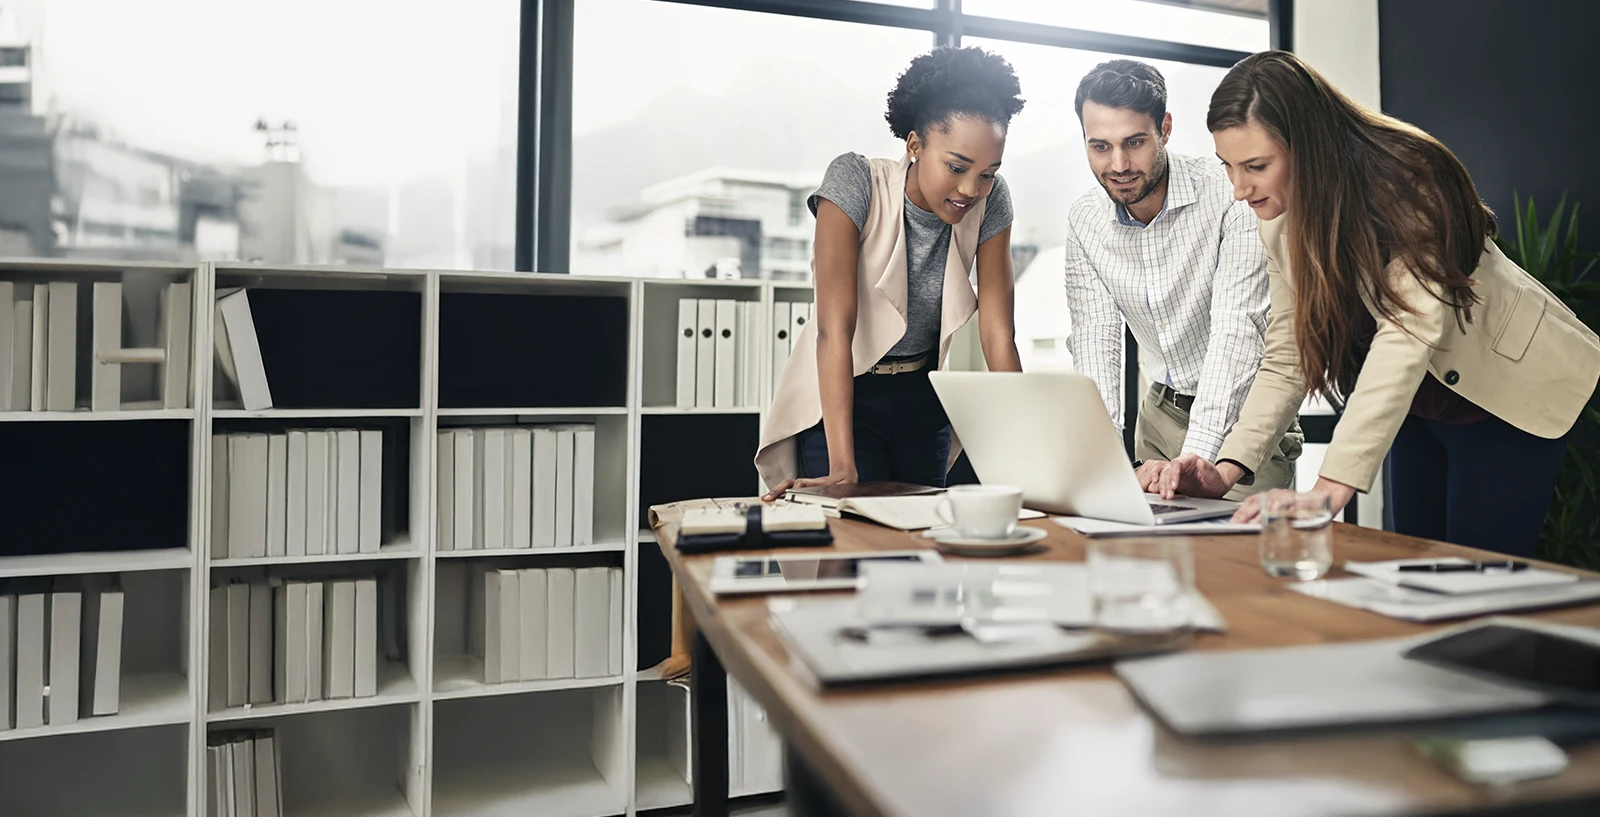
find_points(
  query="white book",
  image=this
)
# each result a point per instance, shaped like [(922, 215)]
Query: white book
[(105, 343), (269, 782), (532, 654), (366, 647), (289, 642), (583, 485), (559, 622), (592, 621), (727, 342), (216, 781), (799, 315), (779, 332), (30, 661), (477, 610), (466, 483), (277, 494), (492, 445), (316, 594), (8, 356), (101, 659), (446, 499), (260, 684), (247, 496), (61, 384), (217, 637), (330, 516), (233, 311), (238, 644), (244, 777), (349, 491), (544, 487), (688, 330), (369, 533), (317, 492), (219, 496), (741, 345), (8, 651), (614, 637), (502, 610), (295, 494), (174, 329), (339, 639), (565, 461), (705, 369), (66, 622), (21, 354), (41, 346), (735, 738), (520, 507), (753, 356)]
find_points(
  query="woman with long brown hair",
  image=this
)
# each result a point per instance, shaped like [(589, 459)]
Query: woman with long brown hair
[(1390, 298)]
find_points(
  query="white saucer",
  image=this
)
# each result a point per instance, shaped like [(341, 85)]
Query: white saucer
[(950, 541)]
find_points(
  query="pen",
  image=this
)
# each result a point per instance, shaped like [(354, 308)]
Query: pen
[(1464, 567)]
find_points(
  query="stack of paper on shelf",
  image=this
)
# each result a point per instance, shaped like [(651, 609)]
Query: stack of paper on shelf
[(60, 650), (302, 493), (535, 624), (243, 776), (516, 487), (718, 353), (291, 641)]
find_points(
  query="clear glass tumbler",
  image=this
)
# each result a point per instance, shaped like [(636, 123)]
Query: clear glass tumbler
[(1296, 534), (1142, 587)]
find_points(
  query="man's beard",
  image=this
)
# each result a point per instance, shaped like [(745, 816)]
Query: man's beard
[(1152, 181)]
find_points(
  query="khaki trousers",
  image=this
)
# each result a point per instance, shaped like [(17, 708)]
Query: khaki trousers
[(1163, 424)]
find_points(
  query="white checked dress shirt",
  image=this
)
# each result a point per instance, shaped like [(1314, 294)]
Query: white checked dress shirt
[(1191, 285)]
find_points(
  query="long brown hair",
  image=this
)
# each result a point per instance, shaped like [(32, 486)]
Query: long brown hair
[(1366, 189)]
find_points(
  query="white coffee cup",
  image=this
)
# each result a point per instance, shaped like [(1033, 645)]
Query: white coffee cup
[(982, 511)]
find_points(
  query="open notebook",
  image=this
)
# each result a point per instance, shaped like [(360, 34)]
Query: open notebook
[(901, 512)]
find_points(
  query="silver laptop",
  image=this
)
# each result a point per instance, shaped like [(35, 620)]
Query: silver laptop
[(1048, 433)]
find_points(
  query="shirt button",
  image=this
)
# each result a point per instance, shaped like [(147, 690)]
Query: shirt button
[(1451, 378)]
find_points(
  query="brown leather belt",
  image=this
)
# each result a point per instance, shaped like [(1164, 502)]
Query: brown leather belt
[(1166, 394), (899, 366)]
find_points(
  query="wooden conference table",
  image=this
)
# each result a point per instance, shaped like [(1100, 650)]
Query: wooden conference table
[(1073, 740)]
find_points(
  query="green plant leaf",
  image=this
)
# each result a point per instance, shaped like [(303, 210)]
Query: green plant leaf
[(1547, 240)]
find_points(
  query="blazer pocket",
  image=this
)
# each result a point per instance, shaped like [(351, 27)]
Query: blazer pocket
[(1526, 314)]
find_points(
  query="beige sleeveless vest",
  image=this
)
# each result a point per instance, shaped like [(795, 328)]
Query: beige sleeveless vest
[(880, 316)]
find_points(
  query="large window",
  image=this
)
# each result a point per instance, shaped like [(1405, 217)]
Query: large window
[(378, 132), (698, 133), (1238, 25)]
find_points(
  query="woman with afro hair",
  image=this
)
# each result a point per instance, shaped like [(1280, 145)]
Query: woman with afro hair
[(895, 243)]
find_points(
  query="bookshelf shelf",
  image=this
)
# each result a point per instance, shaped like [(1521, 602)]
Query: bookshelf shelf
[(403, 549), (313, 414), (160, 699), (410, 353), (84, 563), (94, 416), (603, 547)]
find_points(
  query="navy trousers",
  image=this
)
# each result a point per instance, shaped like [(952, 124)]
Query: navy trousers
[(1485, 485), (901, 432)]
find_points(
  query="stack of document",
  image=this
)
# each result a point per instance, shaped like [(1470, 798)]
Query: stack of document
[(1424, 596), (536, 624), (60, 650), (516, 487), (244, 778)]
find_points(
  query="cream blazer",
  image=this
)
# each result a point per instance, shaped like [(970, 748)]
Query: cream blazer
[(1524, 357), (880, 315)]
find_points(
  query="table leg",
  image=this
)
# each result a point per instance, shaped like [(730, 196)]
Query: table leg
[(708, 690), (805, 794)]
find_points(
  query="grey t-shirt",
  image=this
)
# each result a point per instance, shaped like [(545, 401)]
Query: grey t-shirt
[(848, 184)]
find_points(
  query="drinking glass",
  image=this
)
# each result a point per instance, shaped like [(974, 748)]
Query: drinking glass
[(1296, 534), (1142, 587)]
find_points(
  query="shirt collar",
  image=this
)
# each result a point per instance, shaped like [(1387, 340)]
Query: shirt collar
[(1180, 192)]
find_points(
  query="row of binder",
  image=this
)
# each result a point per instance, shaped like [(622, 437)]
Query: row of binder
[(789, 317), (718, 365), (516, 487), (60, 651), (39, 352), (243, 779), (544, 623), (302, 493), (293, 641)]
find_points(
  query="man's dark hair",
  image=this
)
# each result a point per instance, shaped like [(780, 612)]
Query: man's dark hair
[(948, 82), (1125, 84)]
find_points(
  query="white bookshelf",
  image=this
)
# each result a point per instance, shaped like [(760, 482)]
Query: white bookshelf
[(435, 739)]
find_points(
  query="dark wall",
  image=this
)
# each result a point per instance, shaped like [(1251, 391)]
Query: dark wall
[(1511, 86)]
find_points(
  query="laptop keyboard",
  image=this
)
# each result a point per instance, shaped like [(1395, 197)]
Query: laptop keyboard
[(1159, 508)]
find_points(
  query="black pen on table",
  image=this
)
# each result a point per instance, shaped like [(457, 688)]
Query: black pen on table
[(1509, 565)]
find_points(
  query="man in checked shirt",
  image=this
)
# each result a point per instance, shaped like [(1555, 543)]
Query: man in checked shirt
[(1166, 249)]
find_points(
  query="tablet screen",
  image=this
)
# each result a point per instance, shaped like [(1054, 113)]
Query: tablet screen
[(1518, 654), (809, 569)]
